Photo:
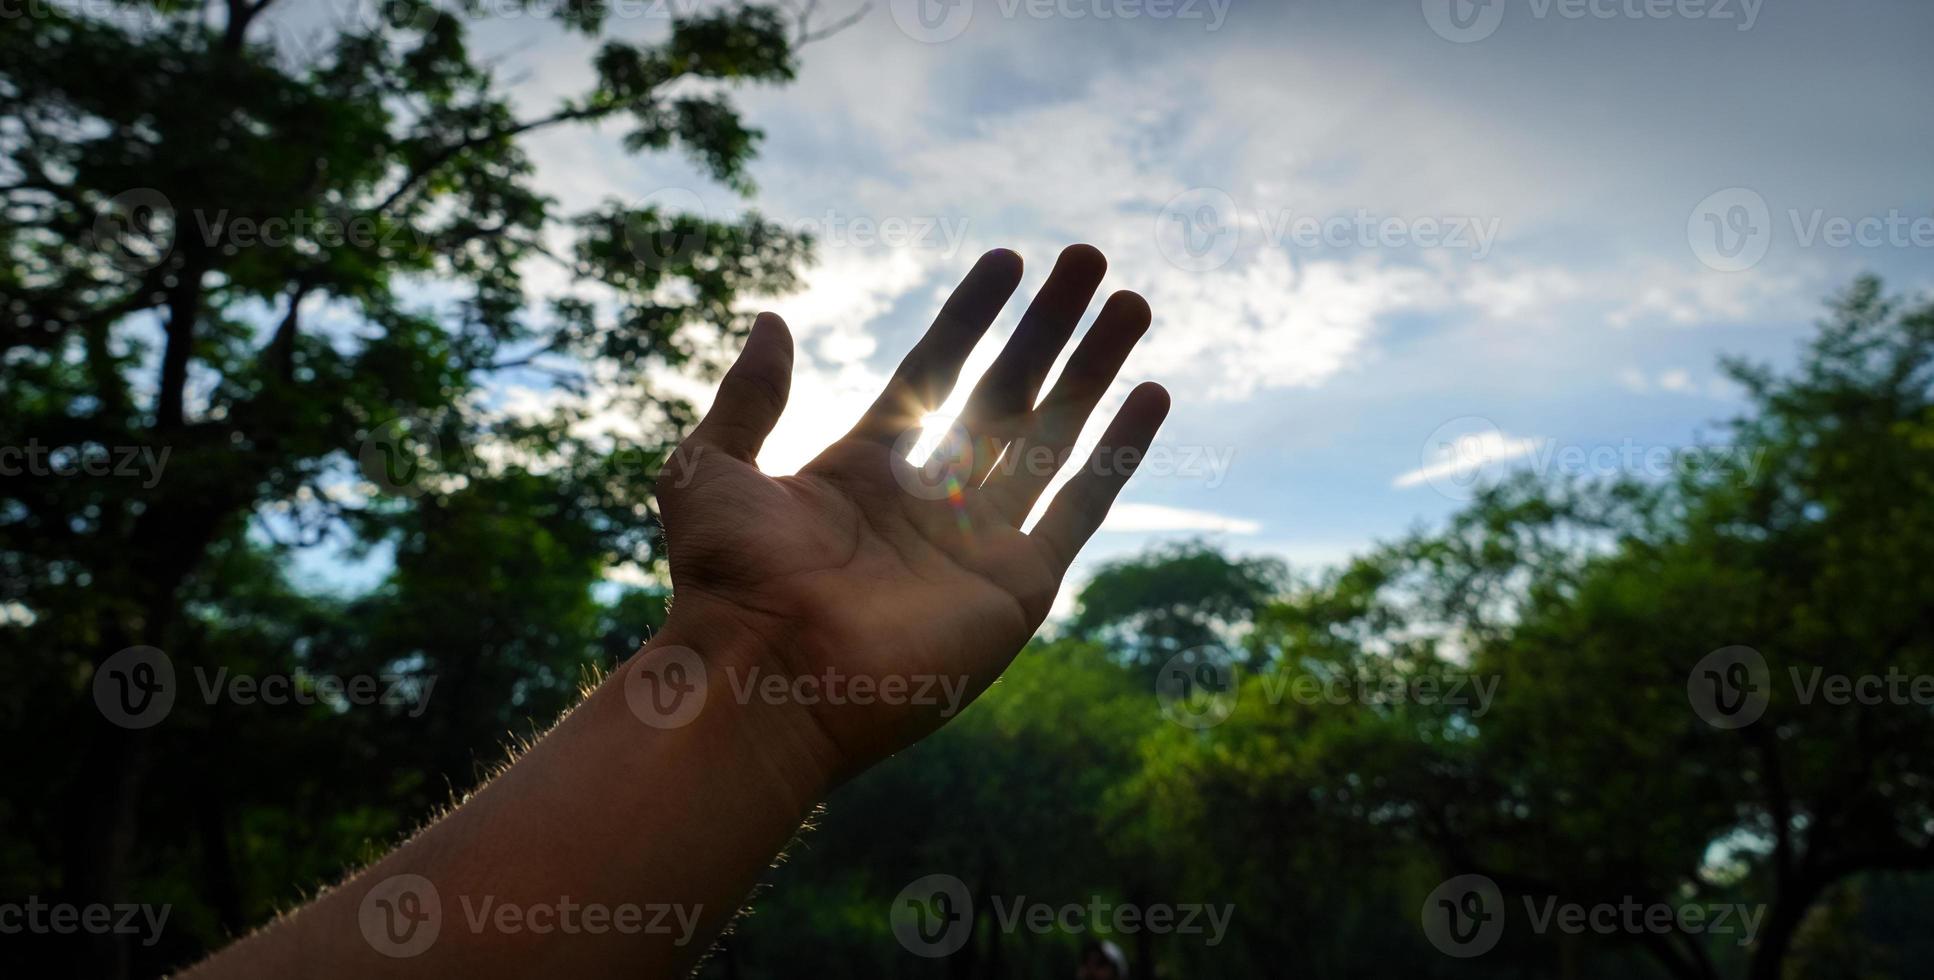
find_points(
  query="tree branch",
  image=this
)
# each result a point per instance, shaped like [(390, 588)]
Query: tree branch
[(184, 308), (452, 151), (281, 350), (525, 360)]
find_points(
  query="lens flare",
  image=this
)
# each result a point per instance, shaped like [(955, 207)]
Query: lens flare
[(937, 430)]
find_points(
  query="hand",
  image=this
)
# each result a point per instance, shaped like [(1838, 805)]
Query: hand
[(842, 569), (854, 568)]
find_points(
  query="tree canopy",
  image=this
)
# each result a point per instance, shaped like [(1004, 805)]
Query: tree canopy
[(264, 298), (292, 276), (1511, 695)]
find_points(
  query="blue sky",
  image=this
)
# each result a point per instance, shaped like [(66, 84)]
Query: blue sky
[(1381, 247)]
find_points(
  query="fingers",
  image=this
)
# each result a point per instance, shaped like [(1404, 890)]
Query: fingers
[(753, 393), (926, 375), (1004, 397), (1036, 455), (1080, 506)]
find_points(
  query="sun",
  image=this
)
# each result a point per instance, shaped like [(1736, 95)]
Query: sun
[(934, 427)]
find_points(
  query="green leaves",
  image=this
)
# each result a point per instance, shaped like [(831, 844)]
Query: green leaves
[(1590, 606), (278, 256), (1186, 595), (740, 42)]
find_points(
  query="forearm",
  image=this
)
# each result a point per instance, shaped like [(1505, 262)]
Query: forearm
[(619, 844), (626, 838)]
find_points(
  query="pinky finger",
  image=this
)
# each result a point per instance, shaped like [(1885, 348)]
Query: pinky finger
[(1082, 504)]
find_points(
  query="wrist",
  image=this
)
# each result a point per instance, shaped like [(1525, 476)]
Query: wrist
[(699, 675)]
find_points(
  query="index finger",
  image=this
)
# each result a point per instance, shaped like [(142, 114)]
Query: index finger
[(930, 369)]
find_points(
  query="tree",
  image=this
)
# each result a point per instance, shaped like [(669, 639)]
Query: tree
[(1173, 598), (1012, 799), (1598, 773), (293, 275), (1022, 797)]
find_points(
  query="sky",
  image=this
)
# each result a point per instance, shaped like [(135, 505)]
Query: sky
[(1392, 249)]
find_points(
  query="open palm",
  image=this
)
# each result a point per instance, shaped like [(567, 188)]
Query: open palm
[(912, 578)]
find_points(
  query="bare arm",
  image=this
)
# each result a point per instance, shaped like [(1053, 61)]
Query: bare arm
[(821, 622)]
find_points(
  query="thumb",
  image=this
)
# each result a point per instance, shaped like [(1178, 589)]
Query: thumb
[(753, 392)]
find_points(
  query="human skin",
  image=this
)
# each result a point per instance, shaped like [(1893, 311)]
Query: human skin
[(661, 812)]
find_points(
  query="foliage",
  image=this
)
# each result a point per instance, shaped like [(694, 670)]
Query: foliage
[(344, 392), (300, 275), (1583, 774), (1591, 777), (1175, 597)]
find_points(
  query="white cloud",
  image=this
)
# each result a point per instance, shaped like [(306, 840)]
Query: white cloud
[(1678, 381), (1274, 324), (1532, 294), (1694, 296), (1033, 134), (1466, 455), (1156, 517), (833, 380)]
